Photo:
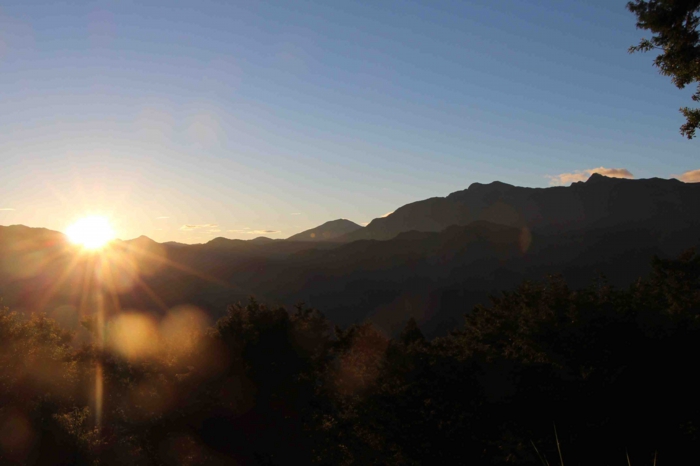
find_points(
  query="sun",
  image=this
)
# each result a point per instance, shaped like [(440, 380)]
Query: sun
[(91, 232)]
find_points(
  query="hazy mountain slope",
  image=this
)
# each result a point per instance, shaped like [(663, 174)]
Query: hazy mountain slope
[(603, 226), (600, 201), (40, 271), (327, 232), (437, 277)]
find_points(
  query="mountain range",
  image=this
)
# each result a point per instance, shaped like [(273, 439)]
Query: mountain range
[(432, 260), (600, 202)]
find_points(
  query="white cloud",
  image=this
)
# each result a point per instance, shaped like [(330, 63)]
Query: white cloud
[(190, 227), (692, 176), (295, 213), (160, 218), (583, 175), (6, 209)]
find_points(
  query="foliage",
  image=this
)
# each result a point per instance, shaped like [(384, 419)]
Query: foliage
[(674, 28), (612, 369)]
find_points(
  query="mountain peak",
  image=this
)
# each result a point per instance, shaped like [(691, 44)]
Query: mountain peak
[(598, 178), (480, 190), (327, 231), (262, 239), (221, 241), (141, 241), (493, 186), (338, 222)]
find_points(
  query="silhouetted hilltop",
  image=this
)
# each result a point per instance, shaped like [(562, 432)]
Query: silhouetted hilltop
[(174, 244), (142, 241), (16, 234), (326, 232), (221, 242), (598, 202), (263, 239)]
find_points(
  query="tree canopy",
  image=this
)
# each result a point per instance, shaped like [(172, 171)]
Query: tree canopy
[(674, 28), (614, 369)]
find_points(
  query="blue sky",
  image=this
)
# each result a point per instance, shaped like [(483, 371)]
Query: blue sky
[(249, 118)]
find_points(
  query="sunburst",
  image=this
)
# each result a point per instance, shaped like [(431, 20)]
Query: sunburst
[(91, 232)]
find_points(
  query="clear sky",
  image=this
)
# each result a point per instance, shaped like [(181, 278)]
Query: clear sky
[(249, 118)]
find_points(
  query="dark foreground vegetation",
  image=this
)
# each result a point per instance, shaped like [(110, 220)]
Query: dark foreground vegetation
[(614, 370)]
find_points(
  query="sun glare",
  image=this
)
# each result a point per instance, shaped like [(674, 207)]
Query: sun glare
[(91, 232)]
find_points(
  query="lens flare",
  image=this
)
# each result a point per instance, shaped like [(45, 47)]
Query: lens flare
[(91, 232)]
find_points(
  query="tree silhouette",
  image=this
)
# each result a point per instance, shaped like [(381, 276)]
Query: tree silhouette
[(674, 28)]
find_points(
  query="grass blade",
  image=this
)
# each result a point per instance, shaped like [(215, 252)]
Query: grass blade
[(544, 461), (561, 459)]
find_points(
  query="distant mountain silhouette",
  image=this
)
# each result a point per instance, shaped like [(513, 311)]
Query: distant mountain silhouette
[(15, 235), (327, 232), (263, 239), (142, 241), (600, 202), (437, 258), (174, 244)]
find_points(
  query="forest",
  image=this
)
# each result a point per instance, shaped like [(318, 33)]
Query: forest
[(544, 374)]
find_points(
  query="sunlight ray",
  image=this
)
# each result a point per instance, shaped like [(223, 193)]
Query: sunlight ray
[(186, 269), (44, 300), (149, 291), (88, 274), (114, 295)]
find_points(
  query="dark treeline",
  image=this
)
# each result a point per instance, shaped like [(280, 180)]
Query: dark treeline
[(613, 371)]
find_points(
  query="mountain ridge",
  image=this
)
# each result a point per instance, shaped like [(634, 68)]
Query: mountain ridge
[(600, 199)]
